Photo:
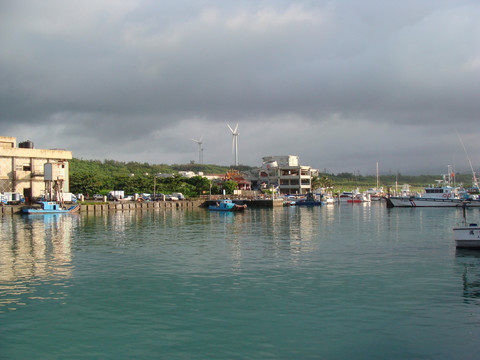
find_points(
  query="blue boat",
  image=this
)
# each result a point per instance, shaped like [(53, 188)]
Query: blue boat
[(49, 207), (227, 205)]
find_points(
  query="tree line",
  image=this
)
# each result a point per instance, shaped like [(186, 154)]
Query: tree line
[(101, 177), (97, 177)]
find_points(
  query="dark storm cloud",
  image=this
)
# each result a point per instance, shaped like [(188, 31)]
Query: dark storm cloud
[(136, 80)]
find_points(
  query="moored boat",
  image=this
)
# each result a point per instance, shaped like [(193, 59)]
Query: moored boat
[(440, 195), (435, 196), (353, 197), (328, 199), (310, 200), (49, 207), (348, 197), (227, 205), (467, 236)]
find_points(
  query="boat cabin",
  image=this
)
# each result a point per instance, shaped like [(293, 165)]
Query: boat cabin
[(444, 192), (50, 205)]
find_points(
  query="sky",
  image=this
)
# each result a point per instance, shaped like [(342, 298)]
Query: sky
[(342, 84)]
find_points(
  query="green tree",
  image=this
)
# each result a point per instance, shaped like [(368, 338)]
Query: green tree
[(315, 183), (201, 184), (324, 182), (85, 183), (216, 189), (229, 186)]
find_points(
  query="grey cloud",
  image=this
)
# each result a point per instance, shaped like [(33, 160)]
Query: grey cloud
[(137, 80)]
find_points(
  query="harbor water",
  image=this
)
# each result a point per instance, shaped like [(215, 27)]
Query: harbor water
[(334, 282)]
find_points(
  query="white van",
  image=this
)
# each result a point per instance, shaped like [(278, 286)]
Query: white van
[(13, 198), (69, 198)]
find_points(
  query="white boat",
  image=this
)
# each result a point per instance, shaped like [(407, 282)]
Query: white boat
[(440, 195), (435, 196), (376, 194), (353, 197), (467, 236), (328, 199)]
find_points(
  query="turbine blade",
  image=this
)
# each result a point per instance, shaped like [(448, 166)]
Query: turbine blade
[(236, 128), (230, 128)]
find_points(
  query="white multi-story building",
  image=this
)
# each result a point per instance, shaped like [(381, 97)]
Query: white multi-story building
[(22, 168), (285, 173)]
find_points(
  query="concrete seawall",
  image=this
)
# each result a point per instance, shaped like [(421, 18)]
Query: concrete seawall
[(132, 206)]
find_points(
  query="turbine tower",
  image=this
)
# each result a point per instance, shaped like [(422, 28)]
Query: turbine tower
[(235, 143), (200, 149)]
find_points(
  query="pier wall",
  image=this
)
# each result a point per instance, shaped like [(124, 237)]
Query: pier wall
[(133, 206)]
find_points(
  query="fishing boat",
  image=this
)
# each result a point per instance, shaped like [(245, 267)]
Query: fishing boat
[(49, 207), (227, 205), (467, 236), (309, 200)]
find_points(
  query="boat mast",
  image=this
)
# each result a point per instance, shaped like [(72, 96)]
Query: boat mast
[(475, 181)]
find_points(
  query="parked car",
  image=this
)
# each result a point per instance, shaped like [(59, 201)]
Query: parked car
[(178, 195), (158, 197), (116, 195), (171, 198), (97, 197)]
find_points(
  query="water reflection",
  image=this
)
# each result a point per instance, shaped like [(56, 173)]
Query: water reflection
[(469, 265), (268, 233), (38, 249), (33, 250)]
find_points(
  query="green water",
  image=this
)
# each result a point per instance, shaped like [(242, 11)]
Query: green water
[(337, 282)]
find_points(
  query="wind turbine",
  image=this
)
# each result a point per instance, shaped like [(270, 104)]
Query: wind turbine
[(235, 142), (200, 149)]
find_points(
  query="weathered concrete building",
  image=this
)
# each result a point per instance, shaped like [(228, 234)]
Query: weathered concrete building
[(285, 173), (22, 167)]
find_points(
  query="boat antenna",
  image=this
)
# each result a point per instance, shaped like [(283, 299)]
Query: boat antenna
[(475, 182)]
